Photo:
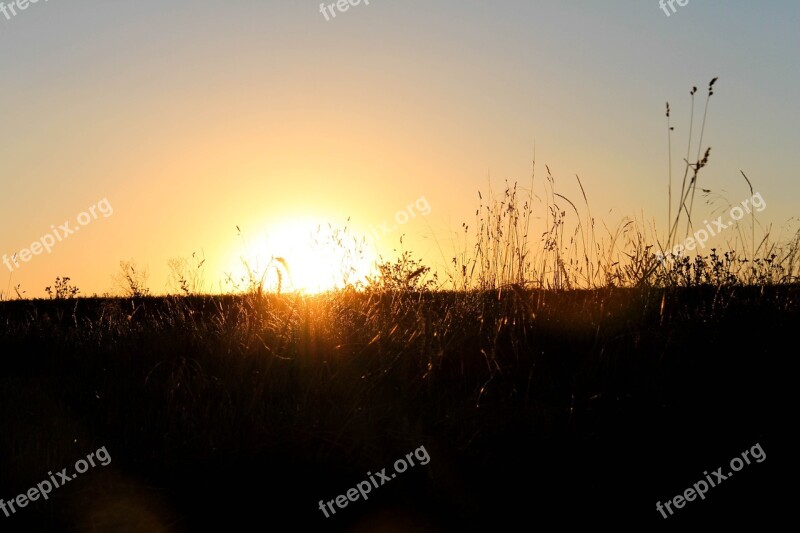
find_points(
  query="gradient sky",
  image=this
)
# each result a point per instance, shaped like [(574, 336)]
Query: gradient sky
[(193, 117)]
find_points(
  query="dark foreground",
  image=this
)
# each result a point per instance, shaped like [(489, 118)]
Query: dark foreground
[(543, 409)]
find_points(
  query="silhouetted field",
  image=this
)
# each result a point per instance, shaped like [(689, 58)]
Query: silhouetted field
[(545, 408)]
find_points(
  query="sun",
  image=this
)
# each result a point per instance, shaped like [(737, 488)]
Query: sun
[(306, 256)]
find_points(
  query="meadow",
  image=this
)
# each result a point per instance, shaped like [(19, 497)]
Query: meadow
[(218, 410), (558, 379)]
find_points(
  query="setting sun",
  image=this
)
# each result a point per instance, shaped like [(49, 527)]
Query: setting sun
[(301, 255)]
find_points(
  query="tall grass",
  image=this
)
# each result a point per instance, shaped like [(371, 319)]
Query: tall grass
[(501, 249)]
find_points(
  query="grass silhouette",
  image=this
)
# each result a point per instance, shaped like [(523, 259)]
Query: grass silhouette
[(564, 376)]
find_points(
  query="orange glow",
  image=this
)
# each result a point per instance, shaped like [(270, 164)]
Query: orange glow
[(300, 255)]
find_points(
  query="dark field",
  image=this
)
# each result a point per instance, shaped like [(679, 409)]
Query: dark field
[(538, 409)]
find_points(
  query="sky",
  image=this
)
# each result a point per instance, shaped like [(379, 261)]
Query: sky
[(185, 120)]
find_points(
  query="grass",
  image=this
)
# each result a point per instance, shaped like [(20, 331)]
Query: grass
[(553, 377), (194, 395)]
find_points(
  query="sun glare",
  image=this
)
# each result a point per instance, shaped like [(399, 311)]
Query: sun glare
[(302, 256)]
